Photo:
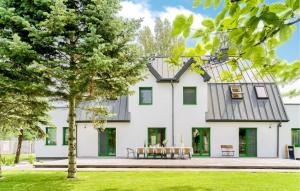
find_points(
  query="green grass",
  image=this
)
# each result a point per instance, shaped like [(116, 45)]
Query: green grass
[(150, 180), (8, 160)]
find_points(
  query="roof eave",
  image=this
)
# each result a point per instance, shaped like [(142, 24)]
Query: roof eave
[(241, 120)]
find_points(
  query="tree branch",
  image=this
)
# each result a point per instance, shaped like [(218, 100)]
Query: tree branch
[(276, 31)]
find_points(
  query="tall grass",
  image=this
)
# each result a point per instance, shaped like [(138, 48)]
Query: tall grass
[(8, 160)]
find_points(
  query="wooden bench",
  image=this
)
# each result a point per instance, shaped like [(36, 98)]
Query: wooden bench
[(227, 150)]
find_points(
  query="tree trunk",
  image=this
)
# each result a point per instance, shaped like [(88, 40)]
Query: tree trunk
[(19, 146), (0, 165), (72, 168)]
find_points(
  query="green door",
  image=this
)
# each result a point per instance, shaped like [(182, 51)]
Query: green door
[(201, 141), (248, 142), (156, 136), (107, 142)]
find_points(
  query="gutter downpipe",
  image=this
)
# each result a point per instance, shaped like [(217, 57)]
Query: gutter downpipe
[(278, 126), (172, 113)]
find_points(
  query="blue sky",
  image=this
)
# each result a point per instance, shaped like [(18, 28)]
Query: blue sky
[(148, 9)]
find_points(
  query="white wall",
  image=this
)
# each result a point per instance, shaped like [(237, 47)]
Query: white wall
[(134, 133), (87, 140), (293, 112), (188, 116), (59, 119), (227, 133)]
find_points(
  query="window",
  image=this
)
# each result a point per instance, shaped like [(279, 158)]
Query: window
[(145, 96), (156, 136), (51, 136), (296, 137), (261, 92), (236, 92), (189, 95), (65, 136)]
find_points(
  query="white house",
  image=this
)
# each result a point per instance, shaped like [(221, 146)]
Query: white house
[(185, 108)]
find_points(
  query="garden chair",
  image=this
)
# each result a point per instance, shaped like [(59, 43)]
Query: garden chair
[(159, 151), (151, 151), (140, 151), (168, 152), (176, 151), (130, 151), (187, 151)]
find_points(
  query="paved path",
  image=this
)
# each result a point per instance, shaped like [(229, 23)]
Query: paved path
[(194, 163)]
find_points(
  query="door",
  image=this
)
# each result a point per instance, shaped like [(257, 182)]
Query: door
[(201, 141), (156, 136), (107, 142), (248, 142)]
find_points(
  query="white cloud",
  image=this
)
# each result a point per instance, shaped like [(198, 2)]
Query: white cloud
[(171, 12), (137, 11), (142, 10)]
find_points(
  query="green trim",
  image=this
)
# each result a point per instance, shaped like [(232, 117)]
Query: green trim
[(140, 98), (247, 154), (185, 100), (295, 137), (201, 154), (156, 129), (108, 151), (48, 141), (65, 139)]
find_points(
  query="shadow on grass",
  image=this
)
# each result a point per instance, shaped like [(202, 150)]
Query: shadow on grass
[(172, 188)]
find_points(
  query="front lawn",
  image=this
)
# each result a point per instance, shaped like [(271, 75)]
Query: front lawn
[(149, 180)]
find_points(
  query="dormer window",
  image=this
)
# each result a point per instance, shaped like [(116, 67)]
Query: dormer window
[(236, 92), (261, 92)]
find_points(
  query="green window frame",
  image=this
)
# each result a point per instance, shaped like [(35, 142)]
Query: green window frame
[(51, 136), (107, 142), (296, 137), (189, 95), (159, 134), (65, 135), (143, 93), (248, 145), (204, 144)]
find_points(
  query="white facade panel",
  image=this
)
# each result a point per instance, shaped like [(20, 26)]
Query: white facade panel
[(59, 118), (293, 111)]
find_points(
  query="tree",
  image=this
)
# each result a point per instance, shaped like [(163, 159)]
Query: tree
[(162, 42), (251, 30), (88, 52), (23, 87)]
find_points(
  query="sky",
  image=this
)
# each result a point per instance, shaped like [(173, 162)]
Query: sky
[(148, 10)]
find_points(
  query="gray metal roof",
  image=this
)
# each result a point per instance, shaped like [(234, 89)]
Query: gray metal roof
[(167, 72), (243, 73), (119, 109), (212, 68), (221, 107)]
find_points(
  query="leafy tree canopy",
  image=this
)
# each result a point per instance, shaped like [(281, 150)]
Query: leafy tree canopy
[(161, 43), (247, 30)]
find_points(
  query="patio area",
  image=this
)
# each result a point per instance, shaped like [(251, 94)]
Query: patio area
[(194, 163)]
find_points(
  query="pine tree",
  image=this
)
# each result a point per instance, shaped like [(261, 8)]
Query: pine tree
[(23, 87), (88, 51)]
